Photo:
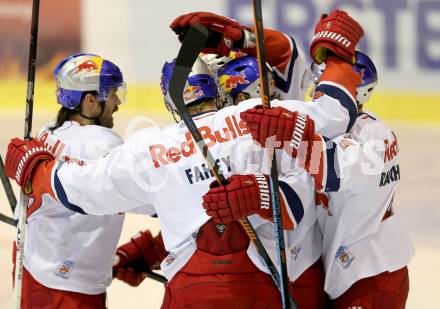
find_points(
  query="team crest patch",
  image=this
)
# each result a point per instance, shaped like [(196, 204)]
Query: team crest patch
[(344, 257), (295, 251), (64, 269), (171, 257)]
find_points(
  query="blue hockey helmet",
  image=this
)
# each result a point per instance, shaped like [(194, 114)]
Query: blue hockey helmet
[(365, 66), (80, 73), (242, 75), (199, 86)]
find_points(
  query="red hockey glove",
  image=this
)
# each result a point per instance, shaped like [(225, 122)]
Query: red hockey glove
[(130, 276), (22, 158), (224, 31), (338, 33), (274, 127), (137, 257), (244, 195), (143, 245)]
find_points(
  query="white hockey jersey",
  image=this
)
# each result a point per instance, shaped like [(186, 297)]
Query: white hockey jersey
[(362, 236), (66, 250), (164, 172)]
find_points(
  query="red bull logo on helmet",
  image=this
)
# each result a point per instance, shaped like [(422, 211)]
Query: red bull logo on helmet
[(192, 93), (229, 82), (87, 65)]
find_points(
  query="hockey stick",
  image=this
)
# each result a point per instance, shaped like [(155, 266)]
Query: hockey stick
[(8, 220), (138, 266), (9, 194), (193, 43), (287, 301), (157, 277), (24, 199), (7, 186)]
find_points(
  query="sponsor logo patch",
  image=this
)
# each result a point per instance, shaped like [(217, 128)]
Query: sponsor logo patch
[(64, 269), (344, 257), (295, 251), (171, 257)]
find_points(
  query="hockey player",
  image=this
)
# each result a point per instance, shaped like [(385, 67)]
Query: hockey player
[(153, 166), (61, 268), (365, 249)]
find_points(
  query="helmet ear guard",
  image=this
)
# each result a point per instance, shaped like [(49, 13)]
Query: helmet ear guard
[(365, 66)]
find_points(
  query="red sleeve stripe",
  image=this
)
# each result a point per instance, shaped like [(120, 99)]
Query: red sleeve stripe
[(277, 47), (283, 73), (41, 183), (341, 72)]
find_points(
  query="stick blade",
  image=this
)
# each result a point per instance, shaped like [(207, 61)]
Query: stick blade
[(193, 43)]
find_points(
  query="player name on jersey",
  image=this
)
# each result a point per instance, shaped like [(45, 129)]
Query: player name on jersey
[(393, 174), (202, 172)]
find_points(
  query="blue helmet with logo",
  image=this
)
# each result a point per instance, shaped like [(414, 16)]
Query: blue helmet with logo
[(82, 73), (242, 75), (199, 86), (365, 66)]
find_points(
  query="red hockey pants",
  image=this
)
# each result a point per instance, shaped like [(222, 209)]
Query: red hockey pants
[(385, 290)]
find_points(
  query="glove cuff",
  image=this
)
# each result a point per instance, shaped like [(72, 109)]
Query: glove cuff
[(249, 39), (264, 192)]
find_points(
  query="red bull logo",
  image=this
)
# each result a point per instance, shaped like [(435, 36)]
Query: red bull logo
[(229, 82), (191, 89), (87, 65), (192, 93)]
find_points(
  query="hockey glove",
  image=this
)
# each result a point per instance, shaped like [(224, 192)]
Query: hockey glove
[(225, 33), (138, 257), (22, 158), (244, 195), (336, 33), (280, 128), (133, 276)]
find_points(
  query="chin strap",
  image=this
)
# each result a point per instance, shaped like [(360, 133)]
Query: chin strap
[(96, 118)]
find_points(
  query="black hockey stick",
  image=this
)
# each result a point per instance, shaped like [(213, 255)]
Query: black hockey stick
[(8, 220), (7, 186), (138, 266), (24, 199), (287, 301), (157, 277), (193, 43), (9, 194)]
